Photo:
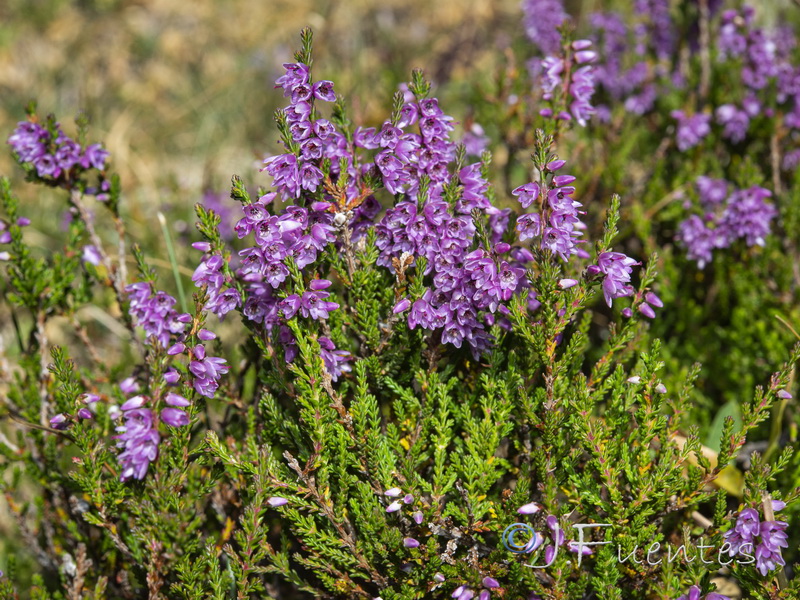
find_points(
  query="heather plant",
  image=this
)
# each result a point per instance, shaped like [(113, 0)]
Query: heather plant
[(693, 128), (394, 379)]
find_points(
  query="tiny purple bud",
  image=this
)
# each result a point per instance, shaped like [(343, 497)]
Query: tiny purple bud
[(410, 543), (184, 318), (199, 352), (555, 165), (581, 44), (85, 413), (778, 505), (202, 246), (401, 306), (490, 582), (393, 492), (408, 499), (319, 284), (627, 312), (394, 507), (438, 578), (647, 310), (133, 403), (458, 591), (178, 348), (585, 56), (206, 335), (529, 509), (90, 398), (651, 298), (467, 594), (565, 284), (59, 421), (5, 256), (91, 255), (23, 221), (502, 247), (484, 595), (784, 395), (417, 516), (129, 386), (634, 379), (661, 388), (176, 400), (172, 376), (275, 501)]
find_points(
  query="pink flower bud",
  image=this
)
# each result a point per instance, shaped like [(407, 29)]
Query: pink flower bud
[(202, 246), (585, 56), (176, 400), (651, 298), (59, 421), (401, 306), (178, 348), (410, 543), (529, 509), (275, 501), (206, 335), (133, 403), (647, 310)]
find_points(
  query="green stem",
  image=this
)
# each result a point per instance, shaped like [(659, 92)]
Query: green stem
[(175, 270)]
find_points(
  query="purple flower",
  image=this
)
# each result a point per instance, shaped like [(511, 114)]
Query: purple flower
[(174, 417), (207, 371), (541, 19), (153, 312), (59, 422), (734, 121), (138, 438), (410, 543), (748, 216), (275, 501), (691, 129), (91, 255), (617, 270), (700, 239), (694, 594), (527, 194), (94, 156), (768, 552)]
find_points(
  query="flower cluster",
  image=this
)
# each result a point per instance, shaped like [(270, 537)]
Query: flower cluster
[(727, 217), (154, 312), (691, 129), (766, 537), (138, 435), (542, 19), (569, 79), (54, 156), (309, 138)]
